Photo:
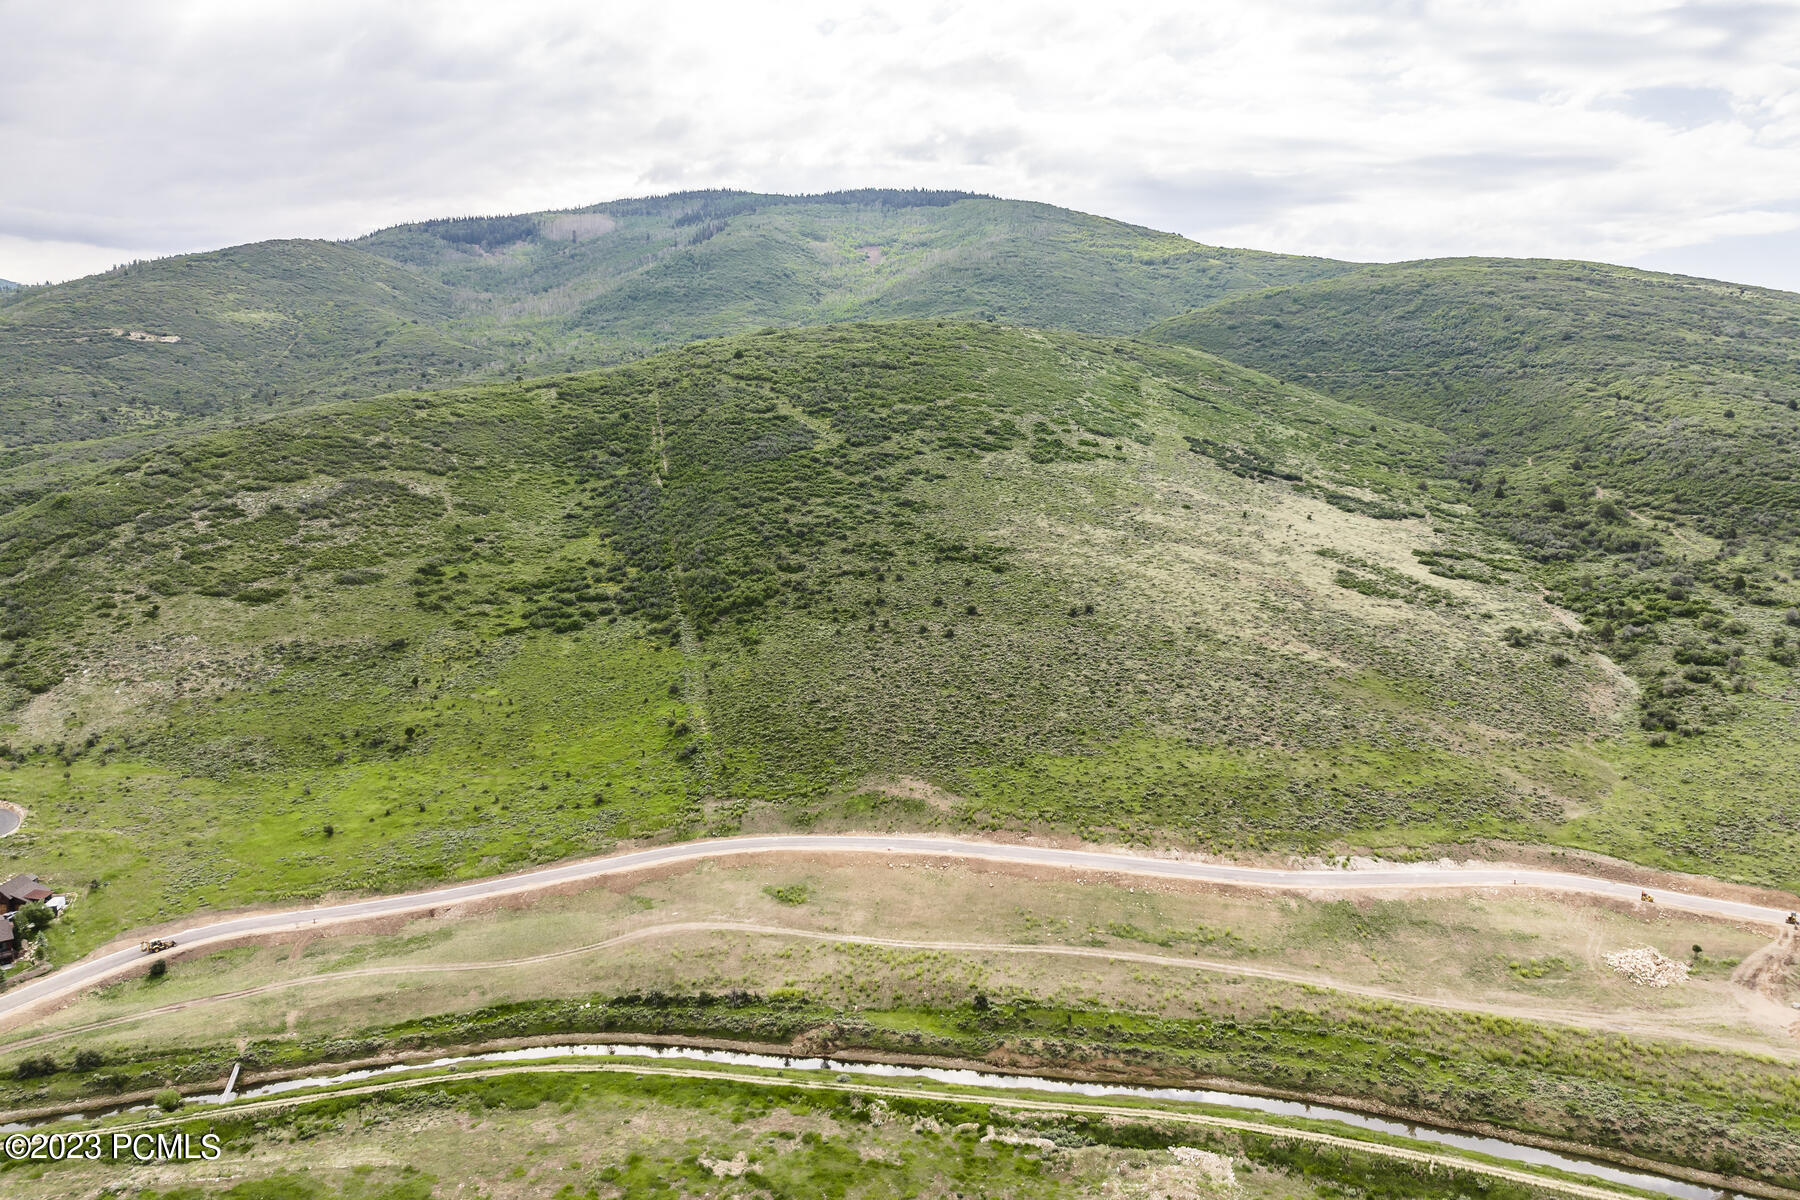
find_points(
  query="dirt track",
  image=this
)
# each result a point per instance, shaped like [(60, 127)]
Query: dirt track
[(1657, 1026), (103, 966), (1761, 982)]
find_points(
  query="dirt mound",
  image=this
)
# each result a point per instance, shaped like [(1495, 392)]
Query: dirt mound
[(1763, 979)]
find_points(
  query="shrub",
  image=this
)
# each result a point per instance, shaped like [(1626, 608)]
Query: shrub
[(35, 1068), (168, 1100), (32, 920), (793, 893)]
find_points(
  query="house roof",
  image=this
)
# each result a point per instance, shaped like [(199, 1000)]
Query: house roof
[(6, 928), (24, 887)]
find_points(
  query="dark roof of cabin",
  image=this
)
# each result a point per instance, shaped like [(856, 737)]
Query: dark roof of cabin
[(24, 887)]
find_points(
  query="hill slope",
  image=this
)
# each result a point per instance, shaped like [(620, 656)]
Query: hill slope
[(632, 274), (924, 573), (233, 331), (263, 327), (1679, 395), (1633, 434)]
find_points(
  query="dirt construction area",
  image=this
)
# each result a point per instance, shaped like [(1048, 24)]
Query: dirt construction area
[(931, 931)]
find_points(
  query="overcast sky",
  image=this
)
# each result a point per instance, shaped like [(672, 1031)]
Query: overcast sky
[(1661, 135)]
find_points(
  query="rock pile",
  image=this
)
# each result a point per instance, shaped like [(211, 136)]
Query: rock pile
[(1215, 1167), (1648, 968)]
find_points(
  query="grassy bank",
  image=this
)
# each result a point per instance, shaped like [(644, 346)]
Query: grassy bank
[(600, 1132), (1717, 1111)]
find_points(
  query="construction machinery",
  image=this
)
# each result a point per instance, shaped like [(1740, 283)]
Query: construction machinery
[(1646, 897), (156, 945), (1794, 918)]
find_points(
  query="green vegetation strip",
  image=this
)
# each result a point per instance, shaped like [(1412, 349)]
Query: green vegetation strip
[(1632, 1099)]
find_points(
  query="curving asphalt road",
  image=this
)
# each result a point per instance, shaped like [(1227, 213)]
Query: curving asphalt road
[(101, 967)]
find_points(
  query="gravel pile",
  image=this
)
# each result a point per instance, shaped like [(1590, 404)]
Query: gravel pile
[(1648, 968)]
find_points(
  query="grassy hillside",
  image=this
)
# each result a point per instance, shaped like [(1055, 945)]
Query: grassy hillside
[(1633, 434), (925, 573), (232, 331), (1679, 396), (260, 328), (628, 275)]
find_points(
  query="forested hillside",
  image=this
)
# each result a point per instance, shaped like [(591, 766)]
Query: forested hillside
[(1634, 436), (234, 332)]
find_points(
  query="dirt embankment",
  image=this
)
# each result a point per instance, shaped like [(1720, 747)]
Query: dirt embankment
[(1768, 981), (1584, 862)]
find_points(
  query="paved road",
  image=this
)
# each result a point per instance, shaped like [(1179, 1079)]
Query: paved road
[(101, 967)]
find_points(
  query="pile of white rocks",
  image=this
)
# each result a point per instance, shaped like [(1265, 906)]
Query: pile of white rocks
[(1648, 968)]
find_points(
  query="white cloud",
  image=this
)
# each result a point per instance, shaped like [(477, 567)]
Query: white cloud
[(1611, 130)]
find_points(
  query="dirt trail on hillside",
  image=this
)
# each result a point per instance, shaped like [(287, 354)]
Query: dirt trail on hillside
[(1659, 1025), (121, 958)]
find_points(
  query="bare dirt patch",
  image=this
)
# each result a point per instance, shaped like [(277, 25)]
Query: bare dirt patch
[(576, 227), (1765, 979), (909, 788)]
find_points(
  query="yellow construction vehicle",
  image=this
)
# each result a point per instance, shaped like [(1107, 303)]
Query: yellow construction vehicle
[(156, 945), (1646, 897)]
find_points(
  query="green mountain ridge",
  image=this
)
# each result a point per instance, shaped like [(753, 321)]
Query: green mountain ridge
[(266, 326)]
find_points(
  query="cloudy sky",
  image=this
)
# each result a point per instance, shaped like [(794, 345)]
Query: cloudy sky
[(1665, 135)]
